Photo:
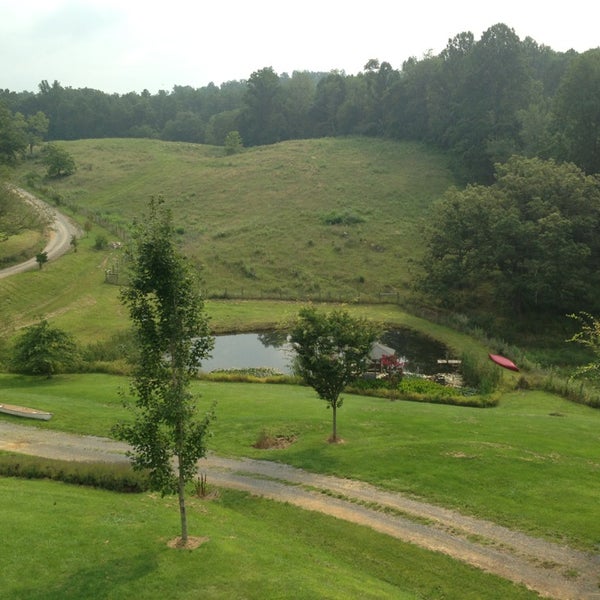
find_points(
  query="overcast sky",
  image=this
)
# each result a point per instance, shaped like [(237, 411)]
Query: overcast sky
[(132, 45)]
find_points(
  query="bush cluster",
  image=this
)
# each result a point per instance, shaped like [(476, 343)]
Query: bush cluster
[(480, 373), (249, 375), (107, 476), (345, 218), (119, 346), (416, 389)]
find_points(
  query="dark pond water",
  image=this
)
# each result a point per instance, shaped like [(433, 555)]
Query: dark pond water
[(271, 350), (420, 352)]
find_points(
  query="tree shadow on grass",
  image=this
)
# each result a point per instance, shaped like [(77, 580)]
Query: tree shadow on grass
[(19, 380), (100, 581)]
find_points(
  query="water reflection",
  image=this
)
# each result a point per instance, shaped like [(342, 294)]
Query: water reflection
[(420, 351), (251, 351), (272, 350)]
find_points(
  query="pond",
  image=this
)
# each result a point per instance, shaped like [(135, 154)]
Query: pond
[(272, 350), (249, 351), (420, 352)]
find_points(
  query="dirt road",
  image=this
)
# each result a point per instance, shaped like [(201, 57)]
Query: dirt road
[(550, 569), (62, 229)]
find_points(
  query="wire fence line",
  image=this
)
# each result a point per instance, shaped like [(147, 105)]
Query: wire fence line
[(323, 296), (115, 275)]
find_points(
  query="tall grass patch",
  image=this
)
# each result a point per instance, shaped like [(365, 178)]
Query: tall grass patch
[(108, 476), (245, 218)]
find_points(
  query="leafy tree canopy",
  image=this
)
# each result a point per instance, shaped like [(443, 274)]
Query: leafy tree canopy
[(526, 243), (43, 350), (578, 111), (332, 350), (172, 334), (59, 162), (13, 138)]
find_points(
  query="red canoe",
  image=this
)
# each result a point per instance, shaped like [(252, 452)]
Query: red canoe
[(504, 362)]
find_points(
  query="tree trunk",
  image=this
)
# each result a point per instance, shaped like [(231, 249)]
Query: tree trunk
[(182, 512), (334, 408)]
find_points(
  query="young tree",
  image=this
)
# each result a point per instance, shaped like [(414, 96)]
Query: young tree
[(172, 334), (41, 258), (59, 162), (43, 350), (588, 336), (332, 350), (37, 128), (233, 143)]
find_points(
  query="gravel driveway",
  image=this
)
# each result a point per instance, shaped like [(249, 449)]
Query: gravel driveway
[(552, 570), (62, 229)]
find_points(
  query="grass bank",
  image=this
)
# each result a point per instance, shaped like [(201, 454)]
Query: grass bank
[(77, 543), (517, 464)]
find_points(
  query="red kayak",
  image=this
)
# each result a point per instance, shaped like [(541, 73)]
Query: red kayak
[(504, 362)]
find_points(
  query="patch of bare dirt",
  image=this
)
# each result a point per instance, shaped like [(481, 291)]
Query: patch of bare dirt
[(337, 440), (275, 442), (191, 544)]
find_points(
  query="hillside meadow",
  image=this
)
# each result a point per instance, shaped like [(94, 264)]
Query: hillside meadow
[(256, 223), (325, 218)]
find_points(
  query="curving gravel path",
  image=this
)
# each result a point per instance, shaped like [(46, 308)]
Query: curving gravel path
[(552, 570), (62, 229)]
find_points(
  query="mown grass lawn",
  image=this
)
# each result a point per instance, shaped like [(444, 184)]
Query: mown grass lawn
[(66, 542), (532, 463), (21, 247)]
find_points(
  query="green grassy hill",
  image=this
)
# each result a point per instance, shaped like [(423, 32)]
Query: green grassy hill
[(309, 218)]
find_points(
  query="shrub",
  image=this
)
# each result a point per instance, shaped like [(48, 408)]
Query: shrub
[(269, 439), (416, 389), (42, 349), (107, 476), (345, 218), (101, 242), (32, 179), (249, 375), (119, 346), (481, 374), (233, 143)]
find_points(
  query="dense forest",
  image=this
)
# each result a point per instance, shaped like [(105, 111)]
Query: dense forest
[(480, 100)]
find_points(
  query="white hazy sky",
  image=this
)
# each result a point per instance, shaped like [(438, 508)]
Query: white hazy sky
[(131, 45)]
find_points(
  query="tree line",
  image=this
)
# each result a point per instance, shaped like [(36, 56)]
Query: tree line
[(526, 245), (481, 100)]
